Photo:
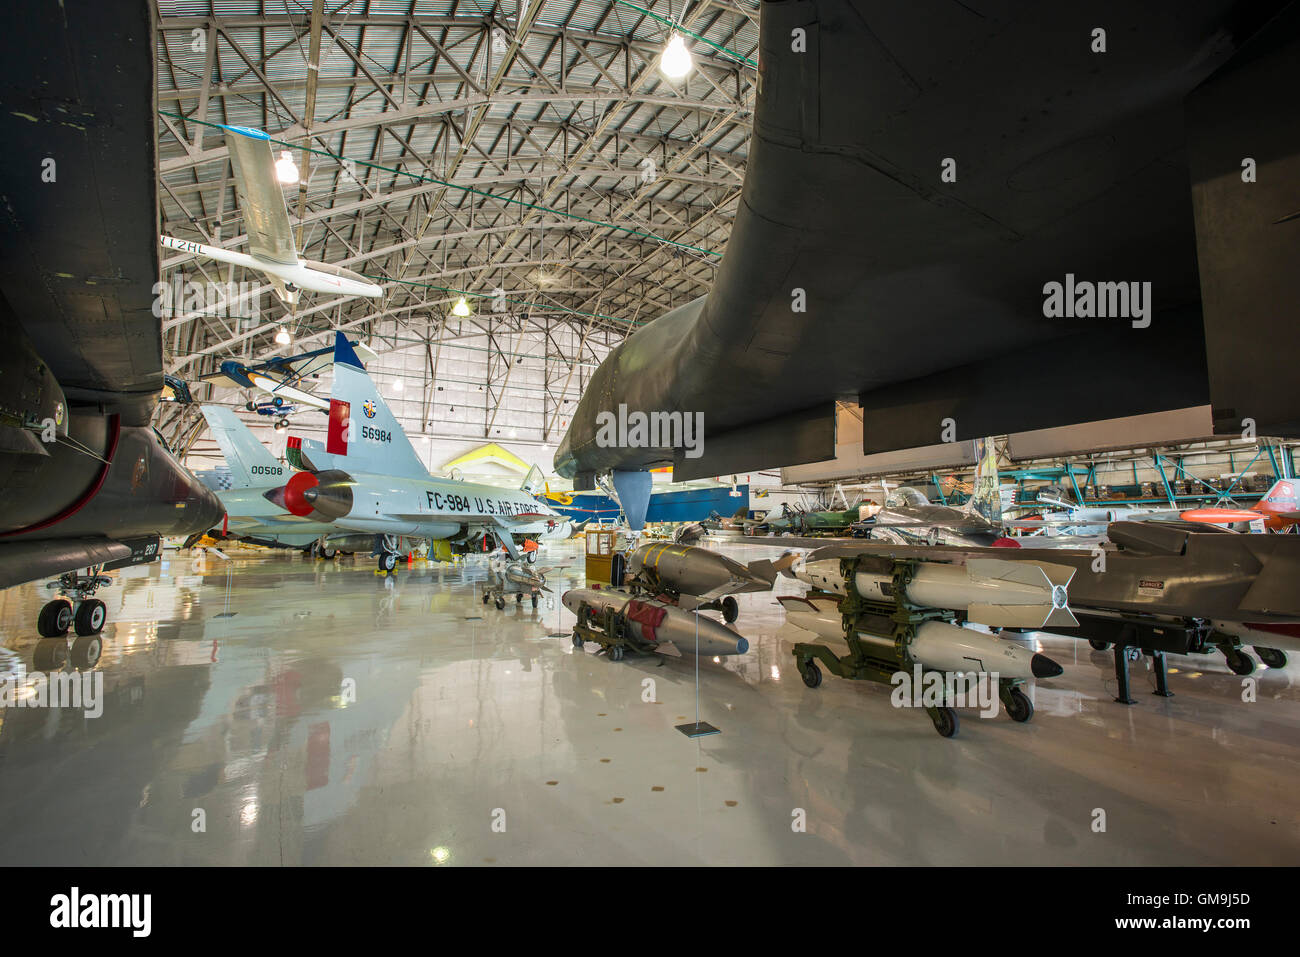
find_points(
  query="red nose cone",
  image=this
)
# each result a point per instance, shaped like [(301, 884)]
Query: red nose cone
[(293, 490), (1005, 542)]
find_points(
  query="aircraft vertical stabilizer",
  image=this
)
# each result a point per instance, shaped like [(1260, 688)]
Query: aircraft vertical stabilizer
[(363, 433), (986, 496), (251, 463)]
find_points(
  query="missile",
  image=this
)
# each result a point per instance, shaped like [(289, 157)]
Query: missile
[(937, 645), (695, 571), (990, 591), (526, 577), (659, 626)]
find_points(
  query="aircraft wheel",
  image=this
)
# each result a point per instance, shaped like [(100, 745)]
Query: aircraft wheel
[(577, 641), (730, 609), (55, 619), (329, 551), (1271, 657), (86, 651), (281, 424), (1021, 708), (519, 599), (387, 562), (811, 674), (534, 601), (616, 653), (532, 557), (278, 401), (89, 619), (945, 722), (501, 604), (1099, 645), (51, 654), (486, 598), (250, 406), (1240, 663)]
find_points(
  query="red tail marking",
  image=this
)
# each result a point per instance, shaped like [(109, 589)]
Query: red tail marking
[(336, 442)]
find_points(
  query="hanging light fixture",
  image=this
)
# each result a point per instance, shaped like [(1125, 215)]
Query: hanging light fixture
[(283, 337), (398, 385), (286, 170), (461, 308), (676, 61)]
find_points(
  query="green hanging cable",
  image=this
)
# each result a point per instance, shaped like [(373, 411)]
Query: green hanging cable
[(467, 189), (513, 302), (739, 57)]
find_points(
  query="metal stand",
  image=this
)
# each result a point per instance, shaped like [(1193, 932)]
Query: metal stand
[(700, 728), (1162, 675), (230, 569)]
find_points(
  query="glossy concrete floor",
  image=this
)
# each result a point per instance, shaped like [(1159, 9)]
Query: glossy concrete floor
[(337, 717)]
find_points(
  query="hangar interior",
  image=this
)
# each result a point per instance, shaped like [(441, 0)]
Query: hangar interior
[(403, 603)]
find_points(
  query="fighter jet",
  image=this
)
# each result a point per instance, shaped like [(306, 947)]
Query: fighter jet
[(974, 244), (793, 521), (367, 478), (85, 482), (249, 516), (270, 236)]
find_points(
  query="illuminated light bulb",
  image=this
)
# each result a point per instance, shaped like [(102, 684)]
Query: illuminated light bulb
[(461, 308), (286, 170), (676, 61), (283, 337), (397, 385)]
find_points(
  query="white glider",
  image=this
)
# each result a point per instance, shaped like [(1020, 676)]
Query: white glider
[(270, 237)]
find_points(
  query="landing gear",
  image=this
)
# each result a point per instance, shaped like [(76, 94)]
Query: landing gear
[(55, 619), (534, 601), (281, 424), (1019, 707), (76, 605), (519, 598), (328, 551), (730, 609), (1239, 662), (1271, 657), (486, 598), (501, 604), (387, 562), (532, 557), (386, 546), (945, 721)]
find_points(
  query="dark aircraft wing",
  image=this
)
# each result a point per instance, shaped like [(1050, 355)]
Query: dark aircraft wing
[(79, 224), (856, 270)]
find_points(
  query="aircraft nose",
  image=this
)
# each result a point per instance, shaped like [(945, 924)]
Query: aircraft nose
[(205, 507)]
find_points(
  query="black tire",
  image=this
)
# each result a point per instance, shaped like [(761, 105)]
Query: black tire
[(577, 641), (329, 551), (250, 406), (1021, 708), (534, 601), (387, 562), (501, 604), (90, 617), (86, 651), (616, 570), (616, 653), (730, 609), (55, 619), (945, 722), (811, 674), (1099, 645), (1271, 657), (278, 401), (532, 557), (519, 598), (486, 598), (1240, 663)]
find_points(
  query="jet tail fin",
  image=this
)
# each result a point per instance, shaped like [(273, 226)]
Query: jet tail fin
[(986, 496), (363, 433), (251, 463), (1281, 497)]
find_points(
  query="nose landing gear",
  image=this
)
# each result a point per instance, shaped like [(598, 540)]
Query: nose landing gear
[(76, 607)]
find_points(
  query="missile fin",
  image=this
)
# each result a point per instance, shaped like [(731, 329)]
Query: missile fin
[(1010, 616), (1022, 572), (668, 648)]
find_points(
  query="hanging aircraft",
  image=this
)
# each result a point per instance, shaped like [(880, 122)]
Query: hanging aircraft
[(368, 478), (272, 251), (972, 243), (86, 483)]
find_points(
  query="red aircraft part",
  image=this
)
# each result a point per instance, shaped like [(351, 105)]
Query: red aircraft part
[(293, 493)]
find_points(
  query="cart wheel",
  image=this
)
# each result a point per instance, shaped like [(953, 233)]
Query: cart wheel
[(1021, 708), (1271, 657), (811, 674), (1240, 662), (577, 641), (616, 653), (945, 722), (1099, 645)]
